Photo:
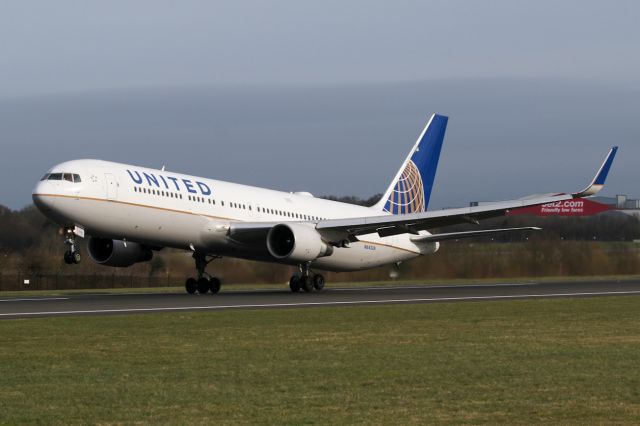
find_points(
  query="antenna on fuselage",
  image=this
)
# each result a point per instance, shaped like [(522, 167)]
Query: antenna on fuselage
[(163, 167)]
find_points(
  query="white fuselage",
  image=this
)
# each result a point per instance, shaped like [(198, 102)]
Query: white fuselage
[(164, 209)]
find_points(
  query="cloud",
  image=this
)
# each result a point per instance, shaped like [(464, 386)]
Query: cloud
[(506, 137)]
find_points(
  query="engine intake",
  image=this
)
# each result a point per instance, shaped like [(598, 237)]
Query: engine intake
[(296, 242), (108, 252)]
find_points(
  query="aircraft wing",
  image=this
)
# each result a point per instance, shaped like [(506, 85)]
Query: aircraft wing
[(386, 225)]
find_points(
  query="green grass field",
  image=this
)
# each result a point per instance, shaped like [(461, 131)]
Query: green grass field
[(561, 361)]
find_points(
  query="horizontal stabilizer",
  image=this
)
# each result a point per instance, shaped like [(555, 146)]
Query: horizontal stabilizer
[(469, 234)]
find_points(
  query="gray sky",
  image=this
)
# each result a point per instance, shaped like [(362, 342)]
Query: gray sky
[(323, 96)]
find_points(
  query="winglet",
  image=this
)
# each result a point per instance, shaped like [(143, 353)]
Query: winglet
[(598, 181)]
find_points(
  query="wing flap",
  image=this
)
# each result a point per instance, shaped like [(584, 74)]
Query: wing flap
[(470, 234)]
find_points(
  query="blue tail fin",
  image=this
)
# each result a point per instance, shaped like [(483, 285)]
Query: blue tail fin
[(410, 190)]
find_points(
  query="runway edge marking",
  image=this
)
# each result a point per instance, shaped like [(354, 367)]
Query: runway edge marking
[(44, 299), (334, 303)]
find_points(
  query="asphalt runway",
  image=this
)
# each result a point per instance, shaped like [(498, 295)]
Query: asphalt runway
[(109, 304)]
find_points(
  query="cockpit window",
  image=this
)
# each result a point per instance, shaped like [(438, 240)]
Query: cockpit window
[(69, 177)]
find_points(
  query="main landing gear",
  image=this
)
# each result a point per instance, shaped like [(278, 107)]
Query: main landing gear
[(202, 284), (306, 281), (72, 254)]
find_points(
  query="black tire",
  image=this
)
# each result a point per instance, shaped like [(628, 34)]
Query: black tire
[(306, 283), (294, 284), (68, 257), (203, 285), (191, 285), (76, 257), (318, 282), (214, 285)]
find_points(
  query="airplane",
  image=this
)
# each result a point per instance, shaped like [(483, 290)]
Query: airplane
[(129, 212)]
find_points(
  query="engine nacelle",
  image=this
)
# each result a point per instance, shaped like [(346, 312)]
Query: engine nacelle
[(296, 242), (110, 252)]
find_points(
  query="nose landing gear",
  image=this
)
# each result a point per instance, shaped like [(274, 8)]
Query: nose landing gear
[(202, 284), (72, 254)]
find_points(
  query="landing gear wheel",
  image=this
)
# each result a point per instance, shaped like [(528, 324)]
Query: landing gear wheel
[(76, 257), (306, 283), (294, 284), (318, 282), (191, 285), (203, 285), (68, 257), (214, 285)]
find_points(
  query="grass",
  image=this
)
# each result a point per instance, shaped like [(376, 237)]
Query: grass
[(569, 361), (179, 288)]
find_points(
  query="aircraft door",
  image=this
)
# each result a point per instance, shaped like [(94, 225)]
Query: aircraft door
[(112, 186)]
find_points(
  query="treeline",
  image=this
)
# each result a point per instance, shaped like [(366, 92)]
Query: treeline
[(31, 248), (350, 199)]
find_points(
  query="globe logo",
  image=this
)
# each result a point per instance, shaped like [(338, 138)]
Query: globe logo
[(408, 194)]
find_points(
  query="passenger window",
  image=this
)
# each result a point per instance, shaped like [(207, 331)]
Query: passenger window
[(76, 178)]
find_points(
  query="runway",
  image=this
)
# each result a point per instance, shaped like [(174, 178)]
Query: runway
[(110, 304)]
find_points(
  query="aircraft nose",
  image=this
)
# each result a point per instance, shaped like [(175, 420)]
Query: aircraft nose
[(40, 198)]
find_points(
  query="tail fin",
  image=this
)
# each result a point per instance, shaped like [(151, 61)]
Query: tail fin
[(410, 190)]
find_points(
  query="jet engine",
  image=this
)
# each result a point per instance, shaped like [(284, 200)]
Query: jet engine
[(118, 253), (297, 243)]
